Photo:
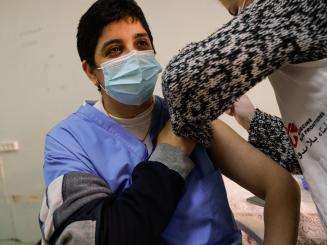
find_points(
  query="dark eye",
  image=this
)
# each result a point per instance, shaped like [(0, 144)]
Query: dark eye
[(143, 44), (113, 52)]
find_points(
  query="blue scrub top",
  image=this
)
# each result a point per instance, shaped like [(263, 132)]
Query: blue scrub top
[(89, 141)]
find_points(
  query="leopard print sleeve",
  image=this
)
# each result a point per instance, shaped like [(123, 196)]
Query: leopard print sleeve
[(267, 134), (206, 77)]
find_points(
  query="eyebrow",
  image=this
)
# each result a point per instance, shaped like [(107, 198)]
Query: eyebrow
[(138, 35)]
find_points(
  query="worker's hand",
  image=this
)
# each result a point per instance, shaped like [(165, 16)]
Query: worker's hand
[(167, 136), (243, 111)]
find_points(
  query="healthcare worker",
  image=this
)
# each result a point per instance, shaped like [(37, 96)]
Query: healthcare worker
[(283, 39), (110, 179), (301, 95)]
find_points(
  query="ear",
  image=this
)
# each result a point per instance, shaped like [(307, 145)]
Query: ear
[(91, 73)]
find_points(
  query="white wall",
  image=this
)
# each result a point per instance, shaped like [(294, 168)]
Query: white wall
[(42, 82)]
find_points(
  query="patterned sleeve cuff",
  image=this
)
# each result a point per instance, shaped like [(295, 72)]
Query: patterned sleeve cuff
[(173, 158), (255, 123), (267, 134)]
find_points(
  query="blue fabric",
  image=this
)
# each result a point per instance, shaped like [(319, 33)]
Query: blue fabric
[(89, 141)]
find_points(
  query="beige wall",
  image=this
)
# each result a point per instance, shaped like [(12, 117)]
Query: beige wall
[(42, 82)]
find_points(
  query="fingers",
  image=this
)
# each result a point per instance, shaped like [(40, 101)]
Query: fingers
[(167, 136)]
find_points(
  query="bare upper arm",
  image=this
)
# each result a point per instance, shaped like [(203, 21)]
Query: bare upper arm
[(241, 162)]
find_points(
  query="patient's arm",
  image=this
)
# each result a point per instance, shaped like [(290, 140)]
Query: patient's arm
[(254, 171)]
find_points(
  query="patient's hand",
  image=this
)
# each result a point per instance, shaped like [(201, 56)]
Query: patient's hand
[(167, 136)]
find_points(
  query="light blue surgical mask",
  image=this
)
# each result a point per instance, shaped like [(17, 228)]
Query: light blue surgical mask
[(131, 79)]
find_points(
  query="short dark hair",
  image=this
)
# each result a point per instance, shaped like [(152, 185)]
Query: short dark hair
[(97, 17)]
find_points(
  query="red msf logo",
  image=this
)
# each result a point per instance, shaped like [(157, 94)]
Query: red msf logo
[(292, 131)]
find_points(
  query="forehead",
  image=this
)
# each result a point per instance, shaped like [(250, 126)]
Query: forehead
[(124, 29)]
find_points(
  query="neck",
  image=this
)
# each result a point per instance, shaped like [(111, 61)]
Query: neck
[(120, 110)]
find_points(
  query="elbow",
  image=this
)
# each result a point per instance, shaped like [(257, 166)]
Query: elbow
[(295, 191), (281, 186), (288, 190)]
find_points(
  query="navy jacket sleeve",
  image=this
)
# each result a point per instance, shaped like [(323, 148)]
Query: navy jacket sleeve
[(80, 208)]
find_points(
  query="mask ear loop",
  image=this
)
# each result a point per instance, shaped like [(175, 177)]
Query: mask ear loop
[(241, 8), (99, 84), (100, 87)]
